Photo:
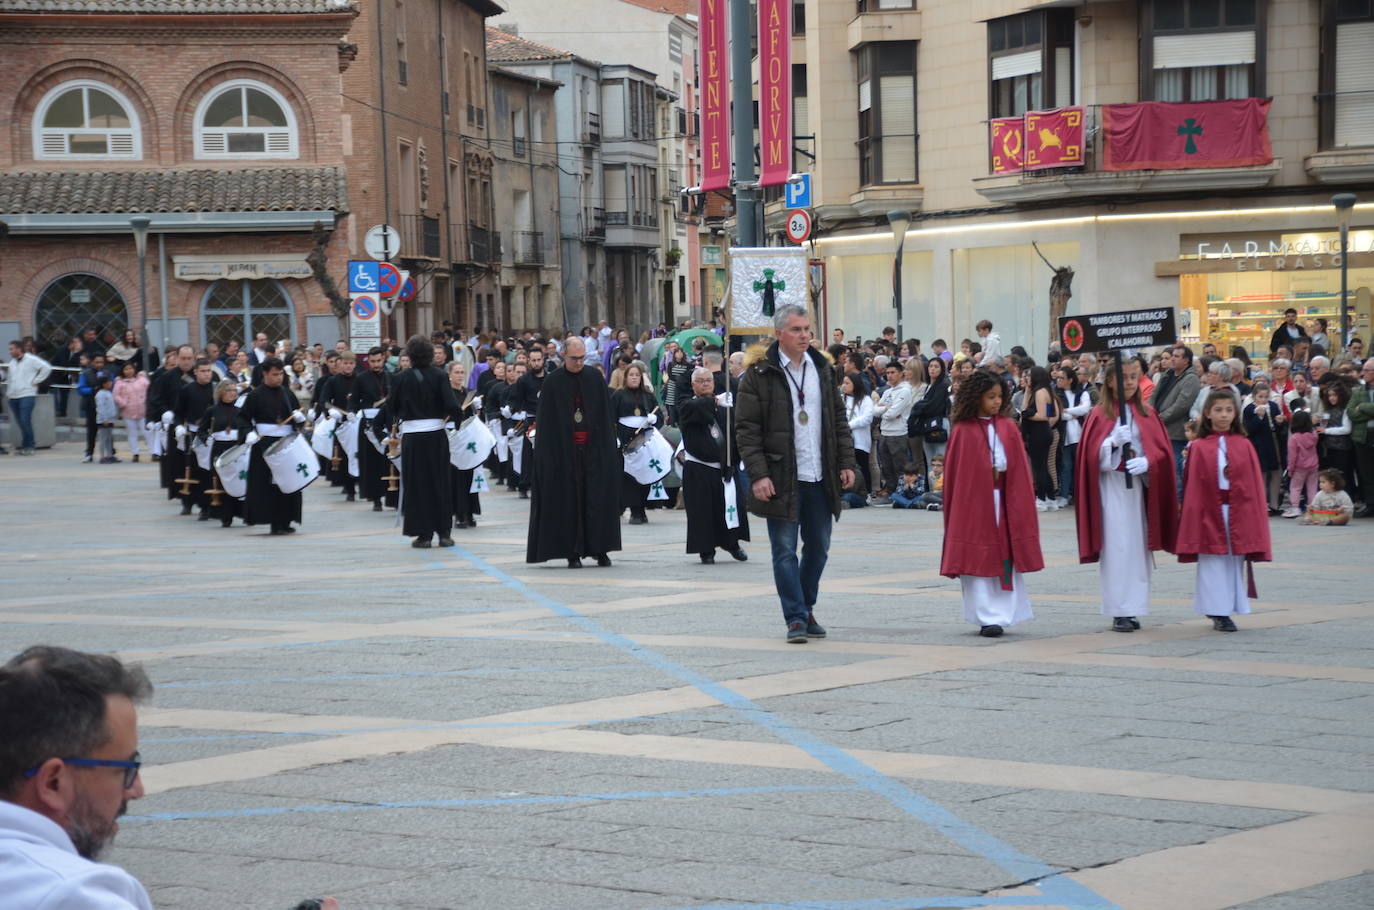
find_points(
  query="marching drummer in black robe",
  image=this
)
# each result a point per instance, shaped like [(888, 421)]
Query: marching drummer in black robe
[(370, 389), (192, 402), (709, 465), (421, 400), (220, 425), (493, 398), (467, 505), (575, 461), (162, 401), (524, 399), (337, 396), (634, 407), (270, 412)]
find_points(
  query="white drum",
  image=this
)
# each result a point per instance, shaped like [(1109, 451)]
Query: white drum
[(292, 462), (322, 441), (347, 435), (470, 444), (232, 468), (648, 457), (202, 450)]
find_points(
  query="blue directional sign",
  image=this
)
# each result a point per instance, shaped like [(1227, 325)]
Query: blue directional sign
[(799, 194), (364, 276)]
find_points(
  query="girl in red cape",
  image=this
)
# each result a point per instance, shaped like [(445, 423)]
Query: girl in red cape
[(992, 534), (1225, 523), (1119, 527)]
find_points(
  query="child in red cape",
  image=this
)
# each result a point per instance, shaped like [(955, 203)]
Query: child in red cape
[(1117, 524), (1225, 523), (992, 534)]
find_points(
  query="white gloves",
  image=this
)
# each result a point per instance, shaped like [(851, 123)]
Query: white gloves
[(180, 432), (167, 418), (149, 426), (297, 416), (1138, 466), (519, 415), (505, 411), (448, 425), (1121, 434), (653, 420), (251, 438), (477, 402), (335, 413)]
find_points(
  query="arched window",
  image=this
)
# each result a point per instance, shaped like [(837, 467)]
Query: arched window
[(86, 120), (76, 302), (243, 119), (241, 309)]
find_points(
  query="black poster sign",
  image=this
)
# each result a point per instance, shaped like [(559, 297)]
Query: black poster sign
[(1098, 333)]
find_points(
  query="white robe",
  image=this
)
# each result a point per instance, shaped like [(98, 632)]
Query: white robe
[(985, 603), (1125, 564), (1221, 587)]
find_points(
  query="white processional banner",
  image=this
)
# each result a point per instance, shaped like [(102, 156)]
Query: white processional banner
[(762, 279)]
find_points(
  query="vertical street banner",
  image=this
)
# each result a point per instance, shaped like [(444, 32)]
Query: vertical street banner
[(714, 101), (775, 91), (1157, 135), (1007, 137), (1054, 138)]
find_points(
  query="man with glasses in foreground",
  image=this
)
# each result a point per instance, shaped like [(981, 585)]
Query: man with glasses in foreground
[(68, 768)]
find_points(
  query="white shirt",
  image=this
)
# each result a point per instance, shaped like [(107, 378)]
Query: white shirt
[(41, 870), (25, 374), (992, 346), (860, 415), (808, 435)]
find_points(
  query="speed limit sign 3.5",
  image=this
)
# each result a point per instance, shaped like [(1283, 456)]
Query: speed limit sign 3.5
[(798, 225)]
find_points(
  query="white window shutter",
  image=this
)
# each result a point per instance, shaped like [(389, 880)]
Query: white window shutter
[(1210, 49), (1355, 74), (898, 129), (213, 143), (279, 142), (1022, 64), (54, 144), (122, 145)]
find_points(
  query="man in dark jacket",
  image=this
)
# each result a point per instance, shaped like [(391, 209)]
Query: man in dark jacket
[(1173, 398), (795, 443)]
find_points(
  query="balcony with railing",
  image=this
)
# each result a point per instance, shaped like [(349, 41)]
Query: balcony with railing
[(594, 224), (591, 129), (528, 247), (1146, 148), (632, 228), (419, 237), (473, 243)]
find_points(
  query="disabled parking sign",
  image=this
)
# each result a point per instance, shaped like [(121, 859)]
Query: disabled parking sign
[(364, 276)]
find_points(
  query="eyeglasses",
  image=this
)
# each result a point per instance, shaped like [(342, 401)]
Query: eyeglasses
[(130, 767)]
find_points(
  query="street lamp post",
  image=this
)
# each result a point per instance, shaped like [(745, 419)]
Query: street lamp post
[(1344, 203), (900, 221), (140, 224)]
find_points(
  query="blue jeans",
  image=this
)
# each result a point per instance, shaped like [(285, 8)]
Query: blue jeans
[(797, 582), (1066, 462), (1179, 445), (22, 408)]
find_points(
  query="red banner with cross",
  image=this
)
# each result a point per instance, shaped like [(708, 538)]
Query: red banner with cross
[(1008, 136), (1156, 135), (1054, 138)]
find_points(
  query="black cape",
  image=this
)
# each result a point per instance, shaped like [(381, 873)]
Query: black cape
[(265, 503), (423, 393), (570, 484), (369, 389), (163, 394), (192, 403), (703, 489)]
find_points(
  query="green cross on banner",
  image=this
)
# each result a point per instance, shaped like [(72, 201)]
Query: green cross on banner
[(472, 447), (304, 471), (730, 510), (1190, 128), (243, 475), (655, 464), (769, 286), (656, 487)]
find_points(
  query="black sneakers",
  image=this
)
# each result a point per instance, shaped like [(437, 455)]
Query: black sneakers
[(796, 633), (813, 628)]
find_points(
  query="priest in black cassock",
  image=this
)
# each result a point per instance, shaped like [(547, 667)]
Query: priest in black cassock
[(270, 412), (370, 390), (575, 463), (709, 465), (421, 400)]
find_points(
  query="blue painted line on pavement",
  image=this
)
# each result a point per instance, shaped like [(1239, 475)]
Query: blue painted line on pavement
[(461, 803), (510, 671), (1002, 854)]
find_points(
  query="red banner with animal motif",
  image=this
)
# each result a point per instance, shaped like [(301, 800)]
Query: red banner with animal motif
[(1008, 144), (714, 102), (1054, 138), (1156, 135), (775, 91)]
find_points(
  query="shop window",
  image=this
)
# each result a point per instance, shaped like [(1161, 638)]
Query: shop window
[(86, 120), (878, 6), (1347, 74), (76, 302), (245, 120), (1030, 62), (1202, 50), (887, 112), (241, 309)]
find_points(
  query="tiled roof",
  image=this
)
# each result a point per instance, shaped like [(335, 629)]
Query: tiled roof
[(503, 47), (189, 7), (259, 189)]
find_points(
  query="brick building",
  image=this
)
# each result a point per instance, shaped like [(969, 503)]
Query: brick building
[(217, 120)]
